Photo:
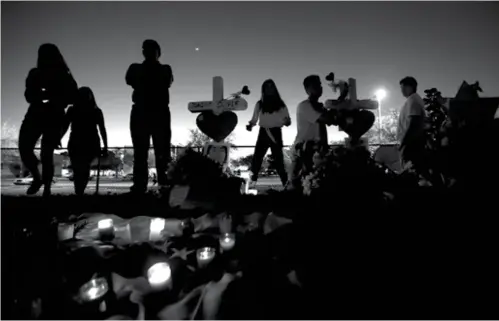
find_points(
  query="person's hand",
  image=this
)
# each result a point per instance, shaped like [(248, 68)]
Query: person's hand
[(287, 121), (249, 127)]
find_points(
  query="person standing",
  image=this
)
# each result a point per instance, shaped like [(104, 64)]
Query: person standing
[(312, 120), (50, 88), (273, 114), (85, 117), (411, 126), (150, 115)]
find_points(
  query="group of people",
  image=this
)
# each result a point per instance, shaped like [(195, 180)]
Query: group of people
[(51, 88), (312, 121)]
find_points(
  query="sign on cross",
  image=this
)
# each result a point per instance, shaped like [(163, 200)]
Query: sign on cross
[(219, 105)]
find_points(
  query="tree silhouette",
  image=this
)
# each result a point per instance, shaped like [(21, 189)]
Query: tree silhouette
[(388, 129), (198, 139), (437, 115)]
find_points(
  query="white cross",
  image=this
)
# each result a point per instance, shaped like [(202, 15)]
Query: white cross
[(352, 102), (218, 105)]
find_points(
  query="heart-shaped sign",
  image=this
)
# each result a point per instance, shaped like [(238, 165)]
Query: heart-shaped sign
[(217, 127), (356, 122)]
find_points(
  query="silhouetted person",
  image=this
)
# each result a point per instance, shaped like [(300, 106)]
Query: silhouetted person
[(50, 88), (273, 114), (311, 120), (150, 116), (411, 125), (84, 141)]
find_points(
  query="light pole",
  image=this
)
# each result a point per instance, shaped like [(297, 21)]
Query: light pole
[(380, 95)]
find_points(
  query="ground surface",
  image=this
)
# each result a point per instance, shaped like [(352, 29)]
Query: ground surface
[(64, 186)]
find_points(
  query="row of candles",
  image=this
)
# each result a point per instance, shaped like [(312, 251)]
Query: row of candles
[(158, 274)]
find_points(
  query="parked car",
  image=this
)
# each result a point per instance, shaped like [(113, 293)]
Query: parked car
[(128, 177), (268, 172), (27, 181)]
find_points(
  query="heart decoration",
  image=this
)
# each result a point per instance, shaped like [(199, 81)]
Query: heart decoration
[(356, 122), (217, 127)]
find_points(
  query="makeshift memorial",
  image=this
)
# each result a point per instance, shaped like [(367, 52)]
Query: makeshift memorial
[(217, 119), (352, 115)]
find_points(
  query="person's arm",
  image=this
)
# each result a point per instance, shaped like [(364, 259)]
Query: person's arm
[(130, 75), (70, 90), (32, 92), (67, 122), (313, 115), (328, 117), (287, 118), (256, 115), (102, 128), (170, 75)]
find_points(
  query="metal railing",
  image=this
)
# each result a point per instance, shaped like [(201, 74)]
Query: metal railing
[(124, 155), (118, 164)]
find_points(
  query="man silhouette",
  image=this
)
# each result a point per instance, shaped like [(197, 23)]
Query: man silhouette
[(150, 116)]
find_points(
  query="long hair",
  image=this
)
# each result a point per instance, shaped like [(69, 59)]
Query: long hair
[(86, 98), (49, 57), (270, 103)]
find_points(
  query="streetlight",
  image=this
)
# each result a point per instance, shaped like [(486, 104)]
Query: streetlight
[(380, 95)]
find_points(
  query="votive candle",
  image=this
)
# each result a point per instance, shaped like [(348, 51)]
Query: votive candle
[(227, 241), (204, 256), (157, 226), (106, 229)]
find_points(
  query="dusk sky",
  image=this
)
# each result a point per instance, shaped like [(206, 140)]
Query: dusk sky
[(378, 43)]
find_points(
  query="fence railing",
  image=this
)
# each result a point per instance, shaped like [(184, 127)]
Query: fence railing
[(120, 159)]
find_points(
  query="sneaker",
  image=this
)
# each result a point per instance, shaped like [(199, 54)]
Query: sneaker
[(47, 192), (35, 187)]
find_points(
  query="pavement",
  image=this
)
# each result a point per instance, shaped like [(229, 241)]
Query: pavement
[(64, 186)]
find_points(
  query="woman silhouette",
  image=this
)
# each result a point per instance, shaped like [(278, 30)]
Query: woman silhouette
[(273, 114), (50, 88), (84, 142)]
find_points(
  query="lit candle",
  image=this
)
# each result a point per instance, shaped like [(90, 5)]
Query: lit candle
[(227, 241), (159, 275), (157, 226), (204, 256), (93, 289), (106, 229)]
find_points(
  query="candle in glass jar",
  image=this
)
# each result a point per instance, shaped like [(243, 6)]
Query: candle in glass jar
[(159, 275), (156, 227), (106, 229), (65, 231), (205, 256), (227, 241)]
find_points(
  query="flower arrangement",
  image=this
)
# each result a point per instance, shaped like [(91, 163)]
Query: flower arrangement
[(346, 170), (205, 175)]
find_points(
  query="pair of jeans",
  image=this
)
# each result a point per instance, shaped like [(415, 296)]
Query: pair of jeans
[(146, 122), (45, 121), (269, 137)]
